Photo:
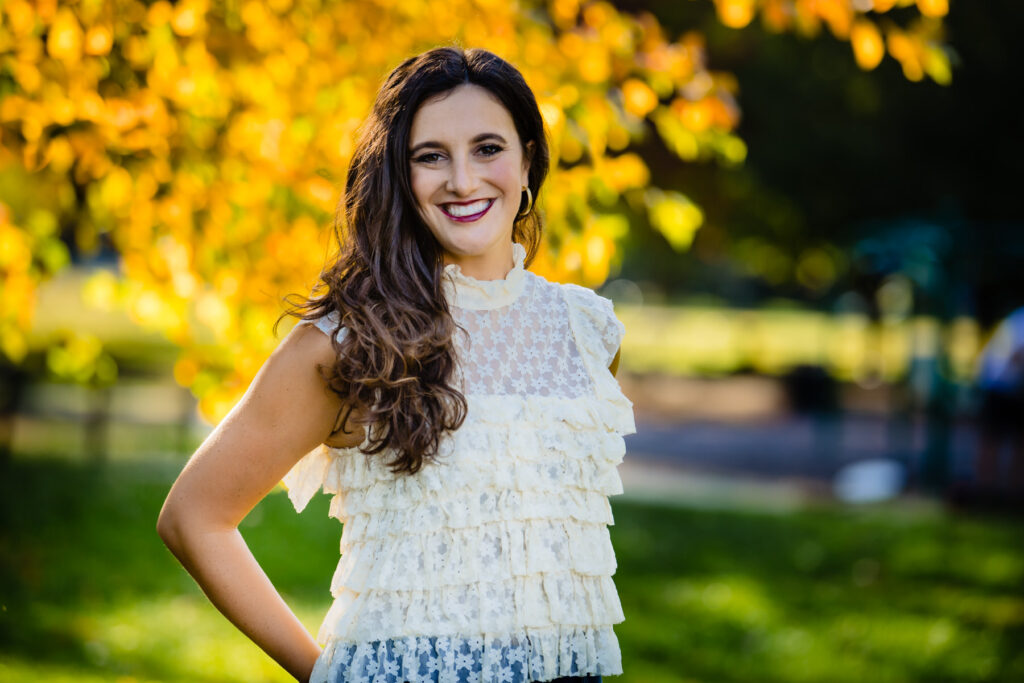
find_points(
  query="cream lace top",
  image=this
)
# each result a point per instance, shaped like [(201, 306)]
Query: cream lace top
[(493, 562)]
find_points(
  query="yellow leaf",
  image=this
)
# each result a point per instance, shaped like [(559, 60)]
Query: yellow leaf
[(571, 149), (625, 171), (98, 40), (776, 15), (564, 12), (933, 8), (213, 312), (868, 47), (64, 41), (597, 251), (639, 99), (116, 189), (13, 343), (19, 18), (185, 371), (735, 13), (100, 290), (15, 250), (593, 64), (552, 114), (188, 18), (679, 139), (733, 150), (903, 48), (28, 76), (696, 116), (839, 15), (675, 217), (936, 64), (62, 111), (618, 138)]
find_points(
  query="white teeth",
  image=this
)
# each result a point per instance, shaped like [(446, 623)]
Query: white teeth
[(460, 210)]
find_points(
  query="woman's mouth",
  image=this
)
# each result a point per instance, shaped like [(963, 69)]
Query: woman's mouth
[(465, 213)]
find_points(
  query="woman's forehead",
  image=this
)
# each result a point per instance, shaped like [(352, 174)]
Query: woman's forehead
[(466, 111)]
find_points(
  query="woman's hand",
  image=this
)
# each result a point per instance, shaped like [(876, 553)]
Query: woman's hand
[(286, 412)]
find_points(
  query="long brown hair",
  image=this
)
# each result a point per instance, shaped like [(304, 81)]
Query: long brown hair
[(396, 359)]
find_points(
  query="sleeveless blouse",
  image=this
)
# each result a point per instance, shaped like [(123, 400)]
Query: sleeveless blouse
[(493, 562)]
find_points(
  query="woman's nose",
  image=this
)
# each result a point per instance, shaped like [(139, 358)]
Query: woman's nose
[(462, 179)]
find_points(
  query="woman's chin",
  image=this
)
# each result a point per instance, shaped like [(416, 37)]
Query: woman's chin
[(466, 243)]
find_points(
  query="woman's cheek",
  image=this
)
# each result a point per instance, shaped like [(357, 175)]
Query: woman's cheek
[(420, 183)]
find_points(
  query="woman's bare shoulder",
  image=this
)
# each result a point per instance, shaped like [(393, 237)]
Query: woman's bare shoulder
[(310, 337)]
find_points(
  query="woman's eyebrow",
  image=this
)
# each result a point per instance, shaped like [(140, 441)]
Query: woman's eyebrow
[(479, 138)]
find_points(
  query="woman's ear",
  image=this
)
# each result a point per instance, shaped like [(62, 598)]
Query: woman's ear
[(527, 158)]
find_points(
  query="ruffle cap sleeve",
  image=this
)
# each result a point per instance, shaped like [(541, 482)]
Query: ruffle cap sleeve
[(598, 333), (328, 324), (307, 476), (596, 325)]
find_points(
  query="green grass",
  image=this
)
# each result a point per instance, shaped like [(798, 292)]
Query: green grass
[(89, 593), (821, 595)]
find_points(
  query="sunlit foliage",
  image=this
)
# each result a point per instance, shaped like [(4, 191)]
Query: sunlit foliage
[(917, 47), (205, 143)]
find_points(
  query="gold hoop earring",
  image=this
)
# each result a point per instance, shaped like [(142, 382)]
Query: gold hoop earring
[(529, 201)]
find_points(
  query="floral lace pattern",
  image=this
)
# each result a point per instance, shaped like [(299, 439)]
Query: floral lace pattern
[(516, 658), (523, 348), (493, 562)]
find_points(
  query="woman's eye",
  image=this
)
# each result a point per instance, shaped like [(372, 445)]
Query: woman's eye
[(428, 158), (490, 150)]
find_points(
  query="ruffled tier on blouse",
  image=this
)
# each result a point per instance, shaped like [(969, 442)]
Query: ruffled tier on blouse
[(582, 436), (531, 461), (540, 601), (496, 551)]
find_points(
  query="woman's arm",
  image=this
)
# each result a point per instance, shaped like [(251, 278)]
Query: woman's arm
[(286, 412)]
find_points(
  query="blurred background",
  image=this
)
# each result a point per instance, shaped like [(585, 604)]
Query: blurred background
[(805, 212)]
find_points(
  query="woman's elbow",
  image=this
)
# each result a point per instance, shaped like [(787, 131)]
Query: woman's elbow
[(168, 526)]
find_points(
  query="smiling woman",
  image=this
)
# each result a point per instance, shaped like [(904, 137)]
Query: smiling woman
[(469, 171), (462, 411)]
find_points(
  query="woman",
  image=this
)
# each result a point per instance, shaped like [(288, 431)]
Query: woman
[(462, 410)]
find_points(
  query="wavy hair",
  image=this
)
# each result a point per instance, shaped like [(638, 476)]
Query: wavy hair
[(396, 360)]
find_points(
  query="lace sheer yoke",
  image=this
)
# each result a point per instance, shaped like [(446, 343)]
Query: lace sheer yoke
[(493, 562)]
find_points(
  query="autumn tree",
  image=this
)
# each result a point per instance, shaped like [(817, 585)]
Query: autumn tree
[(205, 142)]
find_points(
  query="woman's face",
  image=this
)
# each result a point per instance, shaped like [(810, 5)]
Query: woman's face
[(467, 170)]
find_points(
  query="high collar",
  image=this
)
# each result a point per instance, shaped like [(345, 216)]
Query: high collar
[(467, 292)]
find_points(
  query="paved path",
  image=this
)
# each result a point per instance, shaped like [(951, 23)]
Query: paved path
[(792, 446), (777, 465)]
